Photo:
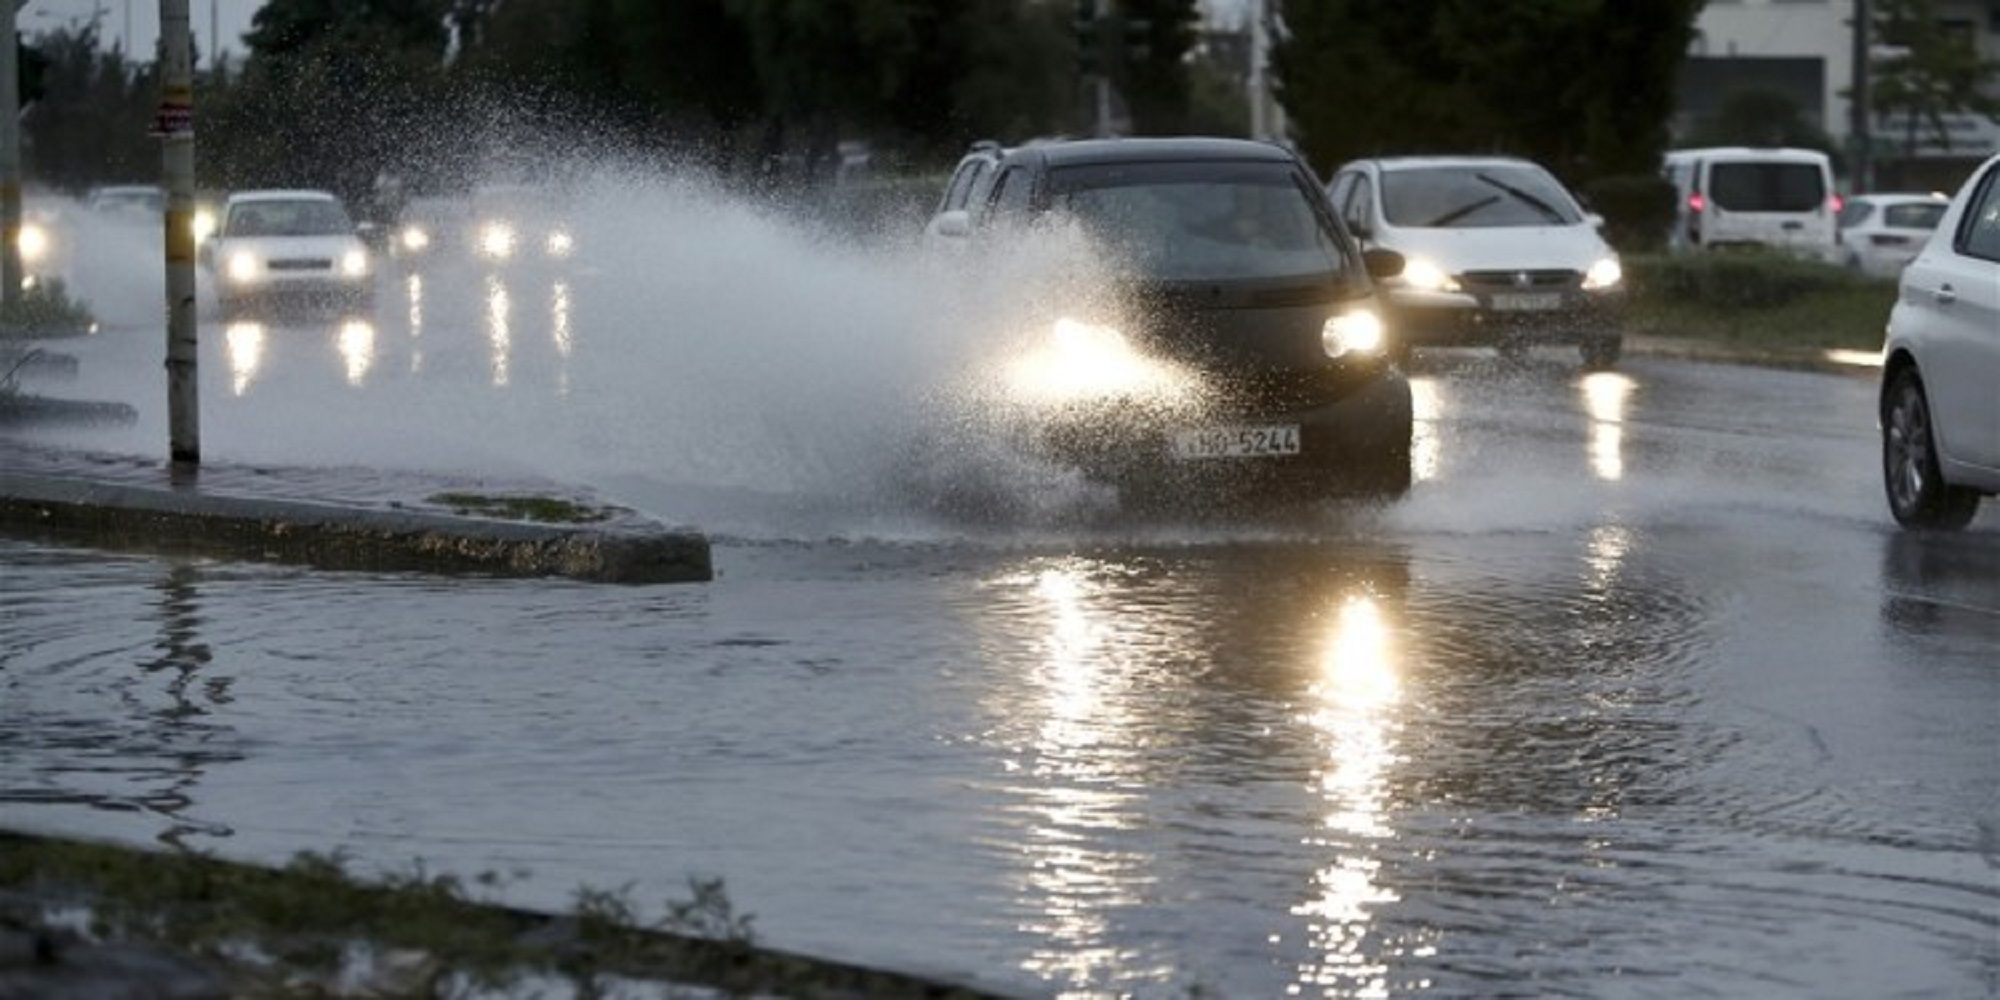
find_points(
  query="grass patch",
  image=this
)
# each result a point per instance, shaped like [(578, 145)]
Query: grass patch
[(541, 509), (1757, 300), (300, 930)]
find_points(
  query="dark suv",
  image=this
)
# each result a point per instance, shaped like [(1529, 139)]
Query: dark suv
[(1239, 340)]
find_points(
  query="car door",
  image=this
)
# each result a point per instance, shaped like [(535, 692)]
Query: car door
[(1960, 290)]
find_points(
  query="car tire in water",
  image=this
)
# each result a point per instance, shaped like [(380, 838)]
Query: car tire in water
[(1918, 495)]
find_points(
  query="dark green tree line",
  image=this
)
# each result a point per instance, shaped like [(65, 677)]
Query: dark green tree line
[(1586, 87)]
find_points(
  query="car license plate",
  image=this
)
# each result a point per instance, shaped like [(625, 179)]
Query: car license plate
[(1237, 442), (1527, 301)]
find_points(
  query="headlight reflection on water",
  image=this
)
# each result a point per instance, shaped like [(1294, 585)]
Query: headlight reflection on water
[(1605, 399), (244, 345), (1357, 694), (357, 349)]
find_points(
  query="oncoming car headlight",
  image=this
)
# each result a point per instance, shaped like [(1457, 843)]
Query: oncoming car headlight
[(242, 267), (1079, 361), (414, 238), (354, 263), (1606, 273), (559, 244), (496, 240), (1425, 276), (33, 243), (1356, 331)]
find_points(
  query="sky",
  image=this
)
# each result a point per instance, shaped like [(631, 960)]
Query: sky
[(141, 20)]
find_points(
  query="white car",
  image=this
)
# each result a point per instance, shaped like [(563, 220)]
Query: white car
[(1940, 402), (287, 247), (1880, 233), (1497, 253)]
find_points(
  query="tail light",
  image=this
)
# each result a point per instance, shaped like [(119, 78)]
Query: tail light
[(1696, 203), (1834, 203)]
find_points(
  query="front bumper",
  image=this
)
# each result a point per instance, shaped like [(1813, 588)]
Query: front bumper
[(1358, 443), (1494, 318)]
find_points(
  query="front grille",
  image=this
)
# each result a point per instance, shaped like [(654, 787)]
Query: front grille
[(1520, 281), (301, 264)]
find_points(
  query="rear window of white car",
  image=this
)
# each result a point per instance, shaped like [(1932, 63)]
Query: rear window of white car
[(1766, 187), (1919, 216)]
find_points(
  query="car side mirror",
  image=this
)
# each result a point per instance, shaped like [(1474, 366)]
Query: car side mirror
[(1382, 263), (1595, 219), (956, 224)]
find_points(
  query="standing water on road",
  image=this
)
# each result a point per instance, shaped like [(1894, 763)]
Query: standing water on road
[(1637, 694)]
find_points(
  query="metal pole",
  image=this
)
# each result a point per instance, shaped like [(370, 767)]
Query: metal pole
[(175, 124), (10, 164), (1859, 134), (1260, 123)]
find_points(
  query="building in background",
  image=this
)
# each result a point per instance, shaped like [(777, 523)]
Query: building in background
[(1804, 50)]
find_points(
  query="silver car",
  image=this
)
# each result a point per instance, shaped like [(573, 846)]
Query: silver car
[(1940, 401)]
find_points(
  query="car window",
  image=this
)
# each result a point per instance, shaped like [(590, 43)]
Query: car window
[(1360, 207), (1012, 191), (1337, 191), (1474, 197), (1856, 213), (1204, 221), (960, 187), (1766, 187), (1981, 229), (304, 217), (1917, 215)]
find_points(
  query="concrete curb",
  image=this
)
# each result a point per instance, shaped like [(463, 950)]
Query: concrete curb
[(183, 521)]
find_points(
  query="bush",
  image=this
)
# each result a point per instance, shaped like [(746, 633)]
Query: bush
[(45, 310), (1638, 209), (1736, 279)]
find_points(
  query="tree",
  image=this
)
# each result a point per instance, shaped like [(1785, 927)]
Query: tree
[(1934, 73), (1758, 117), (89, 127), (1584, 86)]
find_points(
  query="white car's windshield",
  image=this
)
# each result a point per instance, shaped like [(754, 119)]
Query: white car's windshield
[(302, 217), (1471, 197), (1202, 221)]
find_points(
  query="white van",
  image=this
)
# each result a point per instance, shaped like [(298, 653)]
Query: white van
[(1737, 196)]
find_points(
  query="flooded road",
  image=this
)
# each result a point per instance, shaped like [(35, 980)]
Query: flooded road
[(1638, 694)]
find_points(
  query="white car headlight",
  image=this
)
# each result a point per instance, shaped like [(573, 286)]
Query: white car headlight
[(242, 267), (354, 263), (414, 238), (1425, 276), (1357, 331), (496, 240), (204, 224), (560, 244), (1606, 273)]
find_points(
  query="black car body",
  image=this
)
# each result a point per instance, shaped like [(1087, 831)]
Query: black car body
[(1241, 344)]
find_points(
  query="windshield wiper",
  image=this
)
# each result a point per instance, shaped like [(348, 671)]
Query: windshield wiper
[(1461, 212), (1553, 213)]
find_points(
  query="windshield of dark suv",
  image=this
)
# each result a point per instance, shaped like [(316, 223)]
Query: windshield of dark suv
[(1473, 197), (1203, 221)]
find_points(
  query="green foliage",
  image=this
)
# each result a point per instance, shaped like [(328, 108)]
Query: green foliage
[(548, 510), (1753, 298), (45, 309), (89, 127), (1637, 209), (1937, 72), (1757, 117), (1584, 87)]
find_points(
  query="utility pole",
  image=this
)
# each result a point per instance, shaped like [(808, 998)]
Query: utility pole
[(174, 124), (10, 163), (1859, 135)]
